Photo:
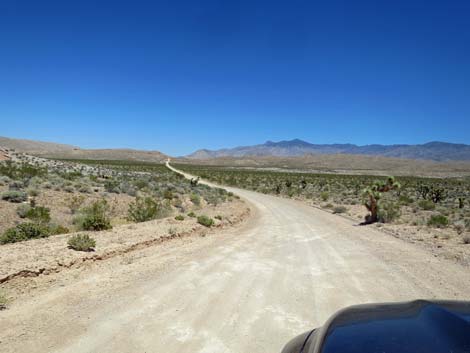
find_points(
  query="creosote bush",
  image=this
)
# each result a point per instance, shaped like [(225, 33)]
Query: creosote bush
[(195, 199), (15, 196), (388, 212), (339, 209), (426, 205), (179, 218), (94, 217), (81, 242), (191, 214), (24, 231), (39, 214), (75, 202), (146, 209), (205, 221), (22, 210), (438, 221)]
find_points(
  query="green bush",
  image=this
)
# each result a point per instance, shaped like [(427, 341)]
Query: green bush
[(205, 221), (33, 192), (16, 196), (146, 209), (195, 199), (467, 223), (75, 202), (388, 212), (179, 218), (325, 195), (339, 209), (191, 214), (55, 229), (438, 221), (95, 217), (22, 210), (405, 200), (168, 194), (39, 214), (24, 231), (81, 242), (427, 205)]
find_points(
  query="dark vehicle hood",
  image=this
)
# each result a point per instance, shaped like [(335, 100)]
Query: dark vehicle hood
[(412, 327)]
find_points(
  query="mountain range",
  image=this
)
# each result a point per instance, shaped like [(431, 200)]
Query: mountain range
[(436, 151), (56, 150)]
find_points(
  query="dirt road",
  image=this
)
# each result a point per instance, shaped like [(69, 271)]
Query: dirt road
[(248, 289)]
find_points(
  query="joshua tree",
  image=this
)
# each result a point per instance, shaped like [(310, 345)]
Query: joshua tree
[(423, 190), (461, 202), (437, 194), (195, 181), (374, 193)]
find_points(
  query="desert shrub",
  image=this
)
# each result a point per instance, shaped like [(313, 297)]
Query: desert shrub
[(219, 217), (427, 205), (324, 195), (205, 221), (191, 214), (83, 188), (146, 209), (179, 218), (405, 200), (112, 186), (55, 229), (22, 210), (21, 171), (339, 209), (168, 194), (33, 192), (75, 202), (24, 231), (459, 226), (128, 189), (16, 196), (3, 301), (467, 223), (438, 221), (16, 185), (388, 212), (94, 217), (81, 242), (329, 205), (69, 189), (4, 180), (466, 239), (141, 184), (39, 214), (195, 199)]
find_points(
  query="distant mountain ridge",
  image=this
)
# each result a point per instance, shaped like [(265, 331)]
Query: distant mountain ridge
[(56, 150), (436, 151)]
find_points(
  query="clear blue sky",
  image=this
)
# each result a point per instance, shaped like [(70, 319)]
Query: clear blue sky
[(181, 75)]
